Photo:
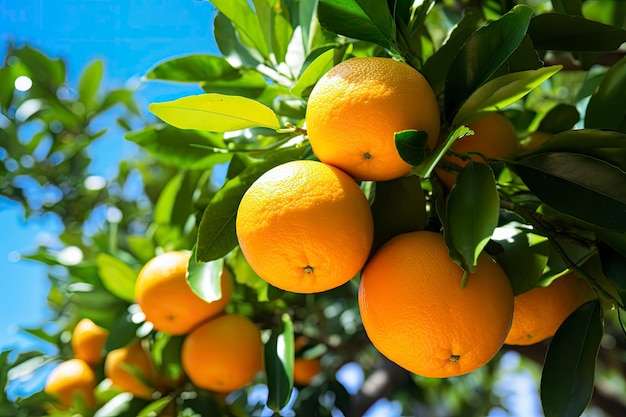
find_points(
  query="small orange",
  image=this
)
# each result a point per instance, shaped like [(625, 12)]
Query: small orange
[(305, 369), (416, 313), (130, 369), (355, 109), (305, 227), (494, 136), (168, 301), (88, 340), (223, 354), (70, 379), (538, 313)]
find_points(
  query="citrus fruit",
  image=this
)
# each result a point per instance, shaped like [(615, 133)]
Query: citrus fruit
[(130, 369), (88, 341), (416, 313), (305, 227), (355, 109), (538, 313), (168, 301), (223, 354), (71, 379), (494, 136), (305, 369)]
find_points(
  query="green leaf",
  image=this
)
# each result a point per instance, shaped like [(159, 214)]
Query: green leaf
[(155, 407), (192, 149), (562, 32), (613, 263), (90, 80), (279, 357), (399, 207), (437, 66), (275, 26), (501, 92), (230, 45), (7, 89), (424, 169), (560, 118), (606, 108), (524, 256), (473, 210), (245, 275), (573, 7), (122, 405), (175, 203), (368, 20), (193, 69), (483, 53), (166, 354), (205, 279), (246, 22), (568, 372), (216, 234), (116, 276), (581, 186), (215, 112), (123, 330), (412, 145), (320, 66)]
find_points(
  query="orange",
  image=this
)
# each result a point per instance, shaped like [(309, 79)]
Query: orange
[(494, 136), (305, 369), (130, 369), (305, 227), (168, 301), (223, 354), (355, 109), (71, 379), (88, 340), (538, 313), (416, 313)]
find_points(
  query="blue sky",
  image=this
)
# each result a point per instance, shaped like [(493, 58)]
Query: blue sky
[(129, 36)]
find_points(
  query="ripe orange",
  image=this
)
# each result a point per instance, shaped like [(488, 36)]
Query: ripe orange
[(355, 109), (417, 315), (130, 369), (538, 313), (168, 301), (223, 354), (494, 136), (305, 227), (305, 369), (88, 340), (71, 379)]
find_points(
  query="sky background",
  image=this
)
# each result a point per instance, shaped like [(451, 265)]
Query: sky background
[(130, 37)]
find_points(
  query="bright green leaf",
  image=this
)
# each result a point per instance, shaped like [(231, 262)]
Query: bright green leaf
[(205, 279), (320, 66), (90, 81), (155, 407), (246, 22), (215, 112), (568, 372), (116, 276), (279, 357), (424, 169)]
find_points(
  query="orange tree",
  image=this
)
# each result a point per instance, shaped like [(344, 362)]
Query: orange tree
[(555, 70)]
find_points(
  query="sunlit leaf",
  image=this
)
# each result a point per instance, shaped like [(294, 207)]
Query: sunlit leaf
[(90, 81), (279, 356), (568, 372), (246, 22), (215, 112), (315, 71), (117, 276), (205, 278)]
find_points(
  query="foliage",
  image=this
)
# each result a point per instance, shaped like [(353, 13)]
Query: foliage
[(557, 67)]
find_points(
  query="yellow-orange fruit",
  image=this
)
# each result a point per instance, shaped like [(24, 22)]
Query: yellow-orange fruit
[(494, 136), (88, 340), (355, 109), (305, 369), (538, 313), (416, 313), (130, 369), (72, 378), (223, 354), (168, 301), (305, 227)]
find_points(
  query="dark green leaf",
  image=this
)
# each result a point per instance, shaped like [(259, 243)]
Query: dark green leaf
[(606, 108), (279, 357), (613, 266), (124, 330), (191, 149), (562, 32), (578, 185), (437, 66), (424, 169), (573, 7), (568, 372), (412, 145), (90, 81), (472, 212), (524, 58), (166, 354), (483, 53), (399, 207), (7, 81), (560, 118), (205, 279), (367, 20), (216, 234)]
